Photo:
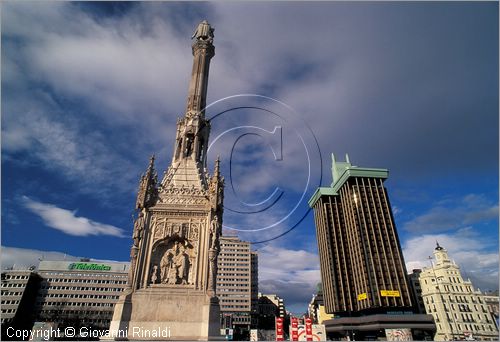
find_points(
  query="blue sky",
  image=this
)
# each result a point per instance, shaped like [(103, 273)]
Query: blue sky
[(91, 90)]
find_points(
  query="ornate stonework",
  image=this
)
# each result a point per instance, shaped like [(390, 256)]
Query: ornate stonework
[(178, 223)]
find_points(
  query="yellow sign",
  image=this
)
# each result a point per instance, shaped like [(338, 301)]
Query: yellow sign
[(389, 293), (362, 296)]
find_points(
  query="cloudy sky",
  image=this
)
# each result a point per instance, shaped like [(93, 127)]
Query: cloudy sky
[(91, 90)]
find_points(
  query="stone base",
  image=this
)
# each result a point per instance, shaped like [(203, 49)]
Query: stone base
[(165, 314)]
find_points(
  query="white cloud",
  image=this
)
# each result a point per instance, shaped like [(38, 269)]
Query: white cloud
[(22, 258), (62, 146), (291, 274), (474, 253), (134, 69), (452, 213), (67, 221)]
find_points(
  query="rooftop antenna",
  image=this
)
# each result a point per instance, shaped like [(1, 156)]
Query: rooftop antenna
[(430, 260)]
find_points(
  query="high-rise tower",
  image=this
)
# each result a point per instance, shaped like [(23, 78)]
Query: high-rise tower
[(171, 286), (237, 282), (362, 267), (361, 261)]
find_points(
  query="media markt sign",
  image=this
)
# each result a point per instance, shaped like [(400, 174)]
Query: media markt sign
[(88, 266)]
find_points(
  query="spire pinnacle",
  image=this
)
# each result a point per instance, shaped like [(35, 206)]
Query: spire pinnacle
[(438, 247), (151, 162), (217, 166), (147, 186)]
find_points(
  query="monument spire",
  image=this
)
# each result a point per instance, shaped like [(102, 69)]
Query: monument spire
[(173, 258), (189, 160), (147, 186), (203, 51)]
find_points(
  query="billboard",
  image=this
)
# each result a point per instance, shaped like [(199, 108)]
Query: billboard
[(294, 329), (318, 332), (280, 335), (398, 335)]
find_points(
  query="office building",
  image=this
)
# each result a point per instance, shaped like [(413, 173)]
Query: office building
[(459, 310), (254, 259), (18, 294), (416, 290), (80, 293), (362, 264), (316, 308), (362, 268), (237, 283), (492, 302), (274, 301), (270, 307)]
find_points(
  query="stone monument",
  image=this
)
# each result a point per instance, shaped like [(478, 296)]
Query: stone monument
[(171, 285)]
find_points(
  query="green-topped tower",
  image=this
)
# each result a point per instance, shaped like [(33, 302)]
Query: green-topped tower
[(362, 266)]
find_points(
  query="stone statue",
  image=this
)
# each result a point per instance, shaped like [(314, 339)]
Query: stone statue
[(138, 228), (167, 266), (189, 145), (214, 227), (204, 31), (154, 276), (175, 265), (212, 271), (182, 264), (164, 267), (190, 273), (133, 259)]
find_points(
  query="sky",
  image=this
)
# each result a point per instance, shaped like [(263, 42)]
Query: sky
[(90, 90)]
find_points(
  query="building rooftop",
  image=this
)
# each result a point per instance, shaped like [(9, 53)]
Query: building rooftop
[(341, 172)]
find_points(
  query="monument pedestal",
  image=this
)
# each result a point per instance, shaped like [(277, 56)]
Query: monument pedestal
[(179, 314)]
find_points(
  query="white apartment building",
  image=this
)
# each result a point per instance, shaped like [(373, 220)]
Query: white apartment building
[(237, 278), (460, 312)]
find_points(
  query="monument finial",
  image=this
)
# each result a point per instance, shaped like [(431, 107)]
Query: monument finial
[(203, 51), (204, 31)]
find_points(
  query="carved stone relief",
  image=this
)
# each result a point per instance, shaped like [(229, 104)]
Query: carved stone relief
[(172, 262), (183, 200), (163, 227)]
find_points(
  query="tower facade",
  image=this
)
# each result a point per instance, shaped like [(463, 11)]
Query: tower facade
[(460, 311), (362, 267), (172, 278), (237, 283)]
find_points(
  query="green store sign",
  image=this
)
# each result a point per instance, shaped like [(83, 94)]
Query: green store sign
[(88, 266)]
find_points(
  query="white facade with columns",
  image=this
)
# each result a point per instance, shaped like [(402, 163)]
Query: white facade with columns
[(459, 311)]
